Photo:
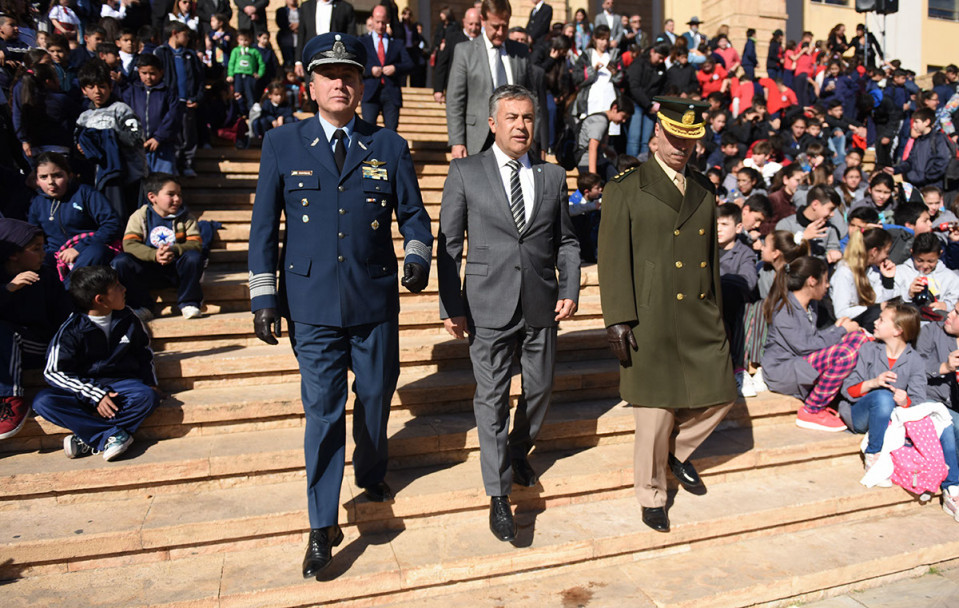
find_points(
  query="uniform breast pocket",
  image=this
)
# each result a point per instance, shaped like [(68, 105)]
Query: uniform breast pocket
[(302, 182)]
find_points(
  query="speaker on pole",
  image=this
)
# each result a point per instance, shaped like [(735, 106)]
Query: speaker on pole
[(883, 7)]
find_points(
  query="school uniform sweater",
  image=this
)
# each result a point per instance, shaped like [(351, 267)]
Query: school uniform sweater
[(83, 360), (797, 223), (793, 335), (943, 283), (740, 262), (845, 298), (934, 345), (83, 209), (909, 367)]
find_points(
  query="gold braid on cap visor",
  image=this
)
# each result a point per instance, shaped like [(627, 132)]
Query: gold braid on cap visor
[(679, 129)]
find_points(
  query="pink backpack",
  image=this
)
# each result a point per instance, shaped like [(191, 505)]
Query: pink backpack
[(919, 467)]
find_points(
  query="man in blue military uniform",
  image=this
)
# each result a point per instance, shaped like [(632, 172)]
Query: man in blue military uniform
[(337, 180)]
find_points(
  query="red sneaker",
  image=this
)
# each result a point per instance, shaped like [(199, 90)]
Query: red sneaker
[(13, 414), (825, 419)]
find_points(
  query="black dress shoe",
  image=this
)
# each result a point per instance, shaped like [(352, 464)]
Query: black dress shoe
[(687, 475), (501, 522), (319, 549), (655, 518), (380, 492), (523, 474)]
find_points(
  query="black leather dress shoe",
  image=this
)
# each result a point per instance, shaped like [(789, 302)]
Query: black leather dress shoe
[(523, 474), (319, 549), (655, 518), (380, 492), (687, 475), (501, 522)]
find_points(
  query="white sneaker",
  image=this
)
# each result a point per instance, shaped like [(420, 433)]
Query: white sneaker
[(144, 314), (950, 501), (759, 385), (190, 312), (748, 390)]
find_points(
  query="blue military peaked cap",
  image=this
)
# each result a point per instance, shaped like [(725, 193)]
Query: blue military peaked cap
[(334, 48)]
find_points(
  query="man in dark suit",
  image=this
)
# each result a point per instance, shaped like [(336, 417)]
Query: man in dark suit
[(514, 208), (338, 181), (540, 19), (252, 15), (387, 65), (479, 67), (472, 26), (319, 17)]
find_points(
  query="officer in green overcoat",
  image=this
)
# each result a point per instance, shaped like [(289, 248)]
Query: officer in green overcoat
[(659, 283)]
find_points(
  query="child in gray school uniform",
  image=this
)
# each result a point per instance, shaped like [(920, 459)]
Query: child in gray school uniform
[(812, 224)]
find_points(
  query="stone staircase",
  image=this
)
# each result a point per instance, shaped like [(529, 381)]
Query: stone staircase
[(208, 507)]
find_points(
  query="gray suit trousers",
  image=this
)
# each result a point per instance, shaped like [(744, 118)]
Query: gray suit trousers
[(491, 352)]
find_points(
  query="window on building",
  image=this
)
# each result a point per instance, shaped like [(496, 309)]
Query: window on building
[(833, 2), (944, 9)]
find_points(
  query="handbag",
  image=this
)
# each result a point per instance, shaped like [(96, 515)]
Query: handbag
[(919, 466)]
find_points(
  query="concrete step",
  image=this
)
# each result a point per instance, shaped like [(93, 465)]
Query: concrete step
[(219, 438), (416, 318), (793, 568), (147, 524), (419, 562)]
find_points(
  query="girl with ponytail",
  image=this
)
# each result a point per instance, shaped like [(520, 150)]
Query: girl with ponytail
[(800, 359), (43, 117), (864, 278)]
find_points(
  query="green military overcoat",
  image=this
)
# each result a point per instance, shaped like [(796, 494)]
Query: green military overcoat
[(659, 272)]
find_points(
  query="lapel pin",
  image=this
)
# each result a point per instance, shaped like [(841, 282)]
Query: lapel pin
[(315, 141), (361, 144)]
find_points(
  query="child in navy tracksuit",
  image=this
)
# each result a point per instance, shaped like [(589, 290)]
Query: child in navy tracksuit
[(32, 306), (276, 111), (100, 368), (80, 223), (183, 73), (160, 113)]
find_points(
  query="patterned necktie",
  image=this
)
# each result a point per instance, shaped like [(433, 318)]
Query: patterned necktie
[(516, 204), (680, 181), (339, 151), (500, 76), (381, 54)]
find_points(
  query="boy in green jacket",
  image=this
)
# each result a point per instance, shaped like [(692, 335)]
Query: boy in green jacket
[(245, 67)]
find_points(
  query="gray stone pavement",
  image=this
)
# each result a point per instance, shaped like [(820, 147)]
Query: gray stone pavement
[(939, 588)]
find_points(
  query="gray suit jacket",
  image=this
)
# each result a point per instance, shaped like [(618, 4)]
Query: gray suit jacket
[(505, 268), (616, 32), (470, 85)]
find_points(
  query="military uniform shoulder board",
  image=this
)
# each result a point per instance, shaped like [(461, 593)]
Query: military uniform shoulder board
[(621, 176)]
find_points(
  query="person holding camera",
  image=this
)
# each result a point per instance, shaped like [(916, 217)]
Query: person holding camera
[(924, 280)]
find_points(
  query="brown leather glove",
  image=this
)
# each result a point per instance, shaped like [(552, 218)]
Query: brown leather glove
[(620, 338)]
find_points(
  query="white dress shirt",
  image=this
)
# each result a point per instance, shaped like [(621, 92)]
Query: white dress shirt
[(525, 177), (324, 15), (610, 18), (491, 58)]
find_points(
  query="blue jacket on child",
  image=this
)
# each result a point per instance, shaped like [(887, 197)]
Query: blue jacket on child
[(158, 107), (83, 209), (82, 360), (268, 110), (193, 71), (53, 126)]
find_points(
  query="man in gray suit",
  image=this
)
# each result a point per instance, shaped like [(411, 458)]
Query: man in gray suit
[(615, 23), (480, 66), (515, 209)]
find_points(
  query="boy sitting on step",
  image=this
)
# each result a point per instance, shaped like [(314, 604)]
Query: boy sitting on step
[(162, 245), (100, 367)]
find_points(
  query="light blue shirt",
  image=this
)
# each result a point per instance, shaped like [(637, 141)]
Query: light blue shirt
[(329, 129), (376, 43)]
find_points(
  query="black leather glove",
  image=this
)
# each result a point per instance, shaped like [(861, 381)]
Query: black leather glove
[(620, 338), (266, 325), (415, 277)]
